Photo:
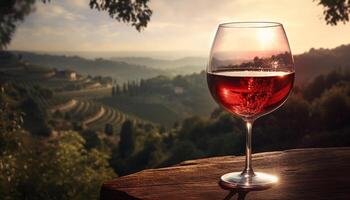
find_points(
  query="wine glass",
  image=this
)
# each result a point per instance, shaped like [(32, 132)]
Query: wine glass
[(250, 74)]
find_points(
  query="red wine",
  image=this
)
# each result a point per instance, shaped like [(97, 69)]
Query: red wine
[(250, 94)]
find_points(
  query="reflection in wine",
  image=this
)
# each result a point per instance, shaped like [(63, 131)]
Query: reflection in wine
[(250, 94)]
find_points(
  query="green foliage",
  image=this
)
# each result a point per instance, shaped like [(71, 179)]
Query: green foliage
[(69, 165), (148, 149), (151, 153), (135, 11), (92, 139), (35, 119), (332, 110), (183, 150), (322, 82), (210, 136), (11, 13), (127, 139), (335, 11), (315, 89), (18, 98), (109, 130), (313, 116), (285, 127), (43, 92), (75, 172), (59, 169)]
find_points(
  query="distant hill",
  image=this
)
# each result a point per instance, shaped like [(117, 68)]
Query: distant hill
[(186, 65), (308, 65), (165, 100), (321, 61), (11, 67), (121, 71), (162, 63)]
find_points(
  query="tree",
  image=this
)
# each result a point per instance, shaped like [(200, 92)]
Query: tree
[(35, 168), (117, 90), (109, 129), (135, 11), (332, 110), (183, 150), (35, 119), (59, 169), (12, 12), (335, 11), (127, 139), (92, 140), (315, 88), (113, 91), (125, 88)]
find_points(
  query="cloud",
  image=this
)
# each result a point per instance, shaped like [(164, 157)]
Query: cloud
[(58, 11), (79, 3), (179, 25)]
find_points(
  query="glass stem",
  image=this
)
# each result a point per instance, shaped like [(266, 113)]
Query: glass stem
[(248, 170)]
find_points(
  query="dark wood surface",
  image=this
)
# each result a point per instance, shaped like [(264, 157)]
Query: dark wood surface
[(304, 174)]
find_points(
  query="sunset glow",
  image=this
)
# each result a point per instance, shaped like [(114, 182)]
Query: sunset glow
[(266, 37), (175, 26)]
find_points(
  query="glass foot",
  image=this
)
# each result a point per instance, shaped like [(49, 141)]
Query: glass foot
[(259, 181)]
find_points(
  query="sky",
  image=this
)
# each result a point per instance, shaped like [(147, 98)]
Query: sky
[(186, 26)]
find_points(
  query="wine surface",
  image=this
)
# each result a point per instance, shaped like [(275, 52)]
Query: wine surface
[(250, 94)]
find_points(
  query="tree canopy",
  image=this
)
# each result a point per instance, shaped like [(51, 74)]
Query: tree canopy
[(335, 11)]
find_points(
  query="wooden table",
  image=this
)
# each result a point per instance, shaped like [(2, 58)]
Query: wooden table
[(304, 174)]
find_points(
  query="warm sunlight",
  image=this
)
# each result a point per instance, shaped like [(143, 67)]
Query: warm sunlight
[(200, 99), (86, 30), (266, 37)]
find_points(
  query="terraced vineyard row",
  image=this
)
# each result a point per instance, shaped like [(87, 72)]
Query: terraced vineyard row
[(92, 115), (44, 103), (87, 93), (82, 111)]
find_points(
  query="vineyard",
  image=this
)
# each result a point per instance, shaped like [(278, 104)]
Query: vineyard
[(72, 109), (86, 93), (91, 115), (32, 87), (64, 85), (58, 99)]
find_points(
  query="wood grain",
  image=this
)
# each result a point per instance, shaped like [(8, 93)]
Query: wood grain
[(310, 174)]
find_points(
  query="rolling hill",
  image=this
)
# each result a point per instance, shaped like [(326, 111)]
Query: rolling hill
[(321, 61), (183, 66), (308, 65), (162, 63), (120, 71)]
